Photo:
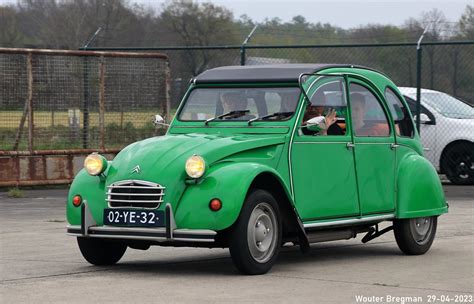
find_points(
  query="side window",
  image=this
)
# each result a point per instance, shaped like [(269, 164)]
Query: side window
[(326, 112), (401, 118), (412, 105), (368, 116)]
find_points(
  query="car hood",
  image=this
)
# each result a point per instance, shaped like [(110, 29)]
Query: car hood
[(163, 158)]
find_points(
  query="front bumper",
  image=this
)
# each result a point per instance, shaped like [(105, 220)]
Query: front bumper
[(169, 233)]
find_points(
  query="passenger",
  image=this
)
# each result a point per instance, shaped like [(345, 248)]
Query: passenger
[(358, 107)]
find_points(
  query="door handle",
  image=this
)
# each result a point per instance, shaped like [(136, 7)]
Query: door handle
[(350, 146), (394, 146)]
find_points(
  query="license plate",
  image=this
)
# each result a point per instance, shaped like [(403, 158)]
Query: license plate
[(134, 218)]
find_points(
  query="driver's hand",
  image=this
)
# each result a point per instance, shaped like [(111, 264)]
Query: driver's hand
[(330, 118)]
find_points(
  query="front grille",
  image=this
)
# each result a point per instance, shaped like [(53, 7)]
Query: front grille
[(135, 193)]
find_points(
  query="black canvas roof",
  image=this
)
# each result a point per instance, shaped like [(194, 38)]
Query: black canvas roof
[(261, 73)]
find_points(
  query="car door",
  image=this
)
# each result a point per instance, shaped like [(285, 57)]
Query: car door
[(374, 149), (322, 166)]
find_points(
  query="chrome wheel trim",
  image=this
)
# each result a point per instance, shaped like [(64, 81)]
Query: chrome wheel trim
[(262, 232), (464, 168), (421, 229)]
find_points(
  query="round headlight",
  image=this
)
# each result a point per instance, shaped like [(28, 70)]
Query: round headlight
[(95, 164), (195, 166)]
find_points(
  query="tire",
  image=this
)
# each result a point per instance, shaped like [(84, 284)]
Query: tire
[(255, 238), (458, 164), (415, 236), (100, 251)]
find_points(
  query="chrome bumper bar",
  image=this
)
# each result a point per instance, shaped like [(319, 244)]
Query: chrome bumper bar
[(89, 228)]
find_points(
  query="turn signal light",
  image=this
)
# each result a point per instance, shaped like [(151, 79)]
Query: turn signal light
[(77, 200), (215, 204)]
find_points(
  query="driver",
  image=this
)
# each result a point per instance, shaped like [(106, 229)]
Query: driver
[(288, 101), (314, 120), (233, 101)]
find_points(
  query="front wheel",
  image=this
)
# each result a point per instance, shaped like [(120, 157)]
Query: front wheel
[(256, 236), (100, 251), (415, 236)]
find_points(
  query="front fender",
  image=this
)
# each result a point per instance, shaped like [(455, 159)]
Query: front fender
[(228, 182), (419, 189), (92, 190)]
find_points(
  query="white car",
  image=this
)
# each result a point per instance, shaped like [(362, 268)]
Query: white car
[(447, 133)]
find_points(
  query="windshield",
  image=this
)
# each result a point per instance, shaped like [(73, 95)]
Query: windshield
[(239, 104), (447, 105)]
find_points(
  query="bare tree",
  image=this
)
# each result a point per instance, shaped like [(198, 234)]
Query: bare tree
[(466, 23), (200, 24)]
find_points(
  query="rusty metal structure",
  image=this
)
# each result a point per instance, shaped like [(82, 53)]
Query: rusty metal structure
[(57, 106)]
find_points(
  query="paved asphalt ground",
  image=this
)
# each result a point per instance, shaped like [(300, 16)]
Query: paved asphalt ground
[(40, 264)]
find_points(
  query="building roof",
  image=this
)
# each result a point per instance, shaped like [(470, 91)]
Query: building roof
[(263, 73)]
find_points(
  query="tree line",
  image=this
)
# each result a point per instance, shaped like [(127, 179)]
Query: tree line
[(68, 24)]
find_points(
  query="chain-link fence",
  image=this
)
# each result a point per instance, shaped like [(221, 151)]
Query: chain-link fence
[(52, 100), (90, 100)]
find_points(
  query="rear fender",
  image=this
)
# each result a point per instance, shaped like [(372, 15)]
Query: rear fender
[(419, 189)]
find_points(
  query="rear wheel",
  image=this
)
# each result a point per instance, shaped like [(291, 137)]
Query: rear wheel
[(101, 251), (458, 164), (255, 238), (415, 236)]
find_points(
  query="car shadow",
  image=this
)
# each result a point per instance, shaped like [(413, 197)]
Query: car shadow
[(221, 263)]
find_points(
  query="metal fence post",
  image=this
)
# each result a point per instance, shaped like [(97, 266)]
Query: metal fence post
[(85, 103), (419, 52), (243, 56), (29, 72), (167, 92), (102, 103)]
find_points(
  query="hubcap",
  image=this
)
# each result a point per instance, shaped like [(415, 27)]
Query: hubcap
[(464, 166), (421, 229), (262, 232)]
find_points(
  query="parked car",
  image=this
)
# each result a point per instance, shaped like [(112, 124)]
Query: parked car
[(259, 156), (447, 133)]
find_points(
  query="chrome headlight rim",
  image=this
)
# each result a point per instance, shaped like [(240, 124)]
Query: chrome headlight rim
[(95, 164), (195, 166)]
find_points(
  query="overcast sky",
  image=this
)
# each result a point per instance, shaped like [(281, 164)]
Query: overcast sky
[(343, 13)]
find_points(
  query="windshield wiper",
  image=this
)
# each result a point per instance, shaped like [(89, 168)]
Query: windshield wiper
[(276, 114), (237, 113)]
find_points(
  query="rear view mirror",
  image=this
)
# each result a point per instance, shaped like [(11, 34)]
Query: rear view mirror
[(159, 120), (425, 119)]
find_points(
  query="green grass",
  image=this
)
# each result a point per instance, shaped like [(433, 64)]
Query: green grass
[(120, 130), (15, 193), (45, 119)]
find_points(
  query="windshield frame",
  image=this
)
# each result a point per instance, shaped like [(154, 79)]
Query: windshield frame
[(243, 122)]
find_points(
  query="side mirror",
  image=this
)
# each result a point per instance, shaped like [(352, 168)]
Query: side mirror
[(425, 119), (159, 120)]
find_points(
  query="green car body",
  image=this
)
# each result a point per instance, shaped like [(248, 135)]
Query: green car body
[(322, 184)]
